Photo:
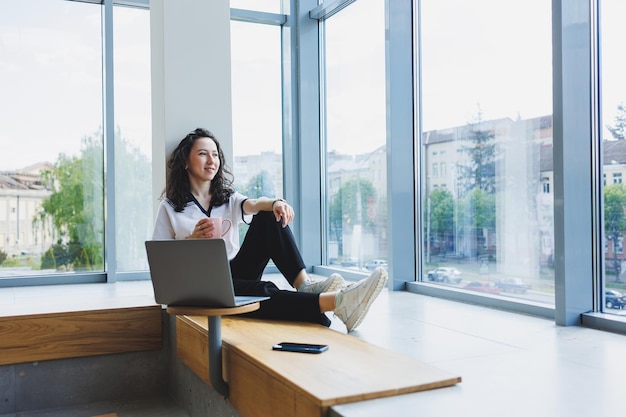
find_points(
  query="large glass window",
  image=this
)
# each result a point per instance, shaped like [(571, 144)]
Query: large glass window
[(257, 109), (51, 163), (486, 102), (613, 117), (355, 136), (133, 137)]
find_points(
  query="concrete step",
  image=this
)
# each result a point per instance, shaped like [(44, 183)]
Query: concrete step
[(145, 407)]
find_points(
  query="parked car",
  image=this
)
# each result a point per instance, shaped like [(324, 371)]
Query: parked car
[(486, 287), (614, 299), (445, 274), (349, 262), (375, 263), (513, 285)]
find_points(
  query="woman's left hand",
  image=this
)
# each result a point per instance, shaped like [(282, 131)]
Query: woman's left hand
[(283, 210)]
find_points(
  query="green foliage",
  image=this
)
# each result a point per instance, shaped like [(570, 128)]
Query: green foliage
[(3, 256), (76, 204), (614, 203), (133, 220), (350, 204), (614, 221), (479, 209), (82, 262), (346, 209), (441, 212), (261, 185), (12, 262), (48, 261)]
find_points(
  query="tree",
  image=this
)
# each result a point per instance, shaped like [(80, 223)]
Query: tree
[(477, 185), (81, 263), (47, 260), (618, 130), (614, 220), (259, 185), (479, 171), (614, 201), (75, 206), (441, 217), (346, 209), (480, 209), (476, 220), (133, 220)]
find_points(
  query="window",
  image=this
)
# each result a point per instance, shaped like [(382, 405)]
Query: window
[(355, 135), (491, 220), (545, 185), (257, 109), (613, 118), (51, 138), (133, 137), (617, 178), (54, 182)]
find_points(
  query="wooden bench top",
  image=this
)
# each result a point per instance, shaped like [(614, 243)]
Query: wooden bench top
[(351, 370)]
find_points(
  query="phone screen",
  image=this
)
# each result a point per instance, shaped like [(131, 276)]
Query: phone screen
[(300, 347)]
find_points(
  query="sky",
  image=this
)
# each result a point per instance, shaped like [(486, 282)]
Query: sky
[(45, 72), (51, 78), (50, 73)]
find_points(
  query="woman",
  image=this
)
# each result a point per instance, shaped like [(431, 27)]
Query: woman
[(199, 186)]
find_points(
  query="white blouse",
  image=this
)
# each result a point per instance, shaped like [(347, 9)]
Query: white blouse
[(170, 224)]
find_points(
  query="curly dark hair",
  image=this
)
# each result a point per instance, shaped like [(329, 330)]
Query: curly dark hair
[(177, 186)]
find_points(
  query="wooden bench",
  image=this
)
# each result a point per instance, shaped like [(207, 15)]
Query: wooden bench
[(265, 382), (31, 337)]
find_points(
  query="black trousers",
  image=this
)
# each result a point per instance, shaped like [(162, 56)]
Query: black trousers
[(267, 240)]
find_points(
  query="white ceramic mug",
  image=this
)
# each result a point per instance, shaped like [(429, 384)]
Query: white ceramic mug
[(218, 227)]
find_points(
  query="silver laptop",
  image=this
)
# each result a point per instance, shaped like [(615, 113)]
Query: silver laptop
[(193, 272)]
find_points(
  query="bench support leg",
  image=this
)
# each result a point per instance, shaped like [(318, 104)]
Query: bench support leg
[(215, 356)]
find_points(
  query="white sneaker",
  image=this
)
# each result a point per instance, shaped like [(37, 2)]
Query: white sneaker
[(332, 283), (357, 298)]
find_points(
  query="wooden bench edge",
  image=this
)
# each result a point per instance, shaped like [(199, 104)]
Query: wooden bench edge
[(73, 334)]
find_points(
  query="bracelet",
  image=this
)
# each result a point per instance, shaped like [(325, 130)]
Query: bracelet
[(275, 201)]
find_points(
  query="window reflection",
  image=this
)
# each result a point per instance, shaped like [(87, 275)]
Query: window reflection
[(489, 213), (355, 130), (133, 137), (613, 117)]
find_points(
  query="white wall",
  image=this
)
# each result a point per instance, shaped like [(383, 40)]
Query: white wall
[(191, 75)]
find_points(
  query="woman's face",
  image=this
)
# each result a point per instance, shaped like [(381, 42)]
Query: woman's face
[(204, 160)]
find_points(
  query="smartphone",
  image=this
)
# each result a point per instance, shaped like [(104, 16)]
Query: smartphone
[(300, 347)]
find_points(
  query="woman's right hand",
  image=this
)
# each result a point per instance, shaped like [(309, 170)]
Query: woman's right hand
[(202, 230)]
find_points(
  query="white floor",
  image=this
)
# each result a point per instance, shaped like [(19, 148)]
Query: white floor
[(512, 365)]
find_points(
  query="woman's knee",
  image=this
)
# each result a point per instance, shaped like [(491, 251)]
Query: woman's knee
[(266, 217)]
